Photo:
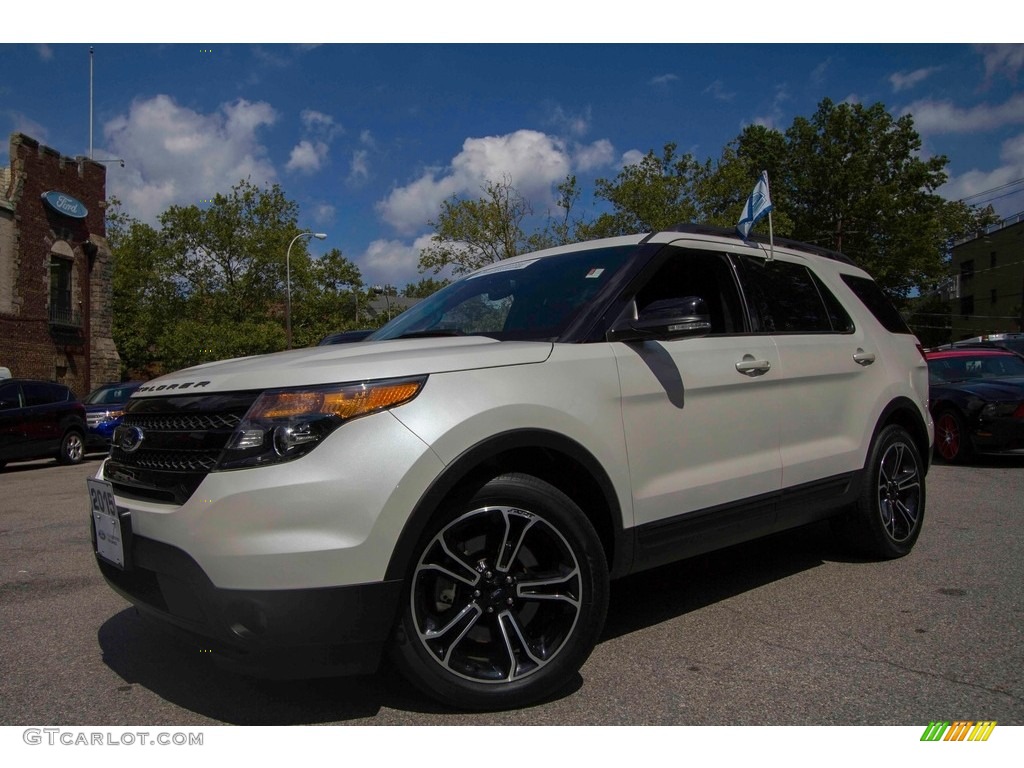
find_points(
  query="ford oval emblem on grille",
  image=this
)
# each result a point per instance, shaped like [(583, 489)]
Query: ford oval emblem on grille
[(129, 439)]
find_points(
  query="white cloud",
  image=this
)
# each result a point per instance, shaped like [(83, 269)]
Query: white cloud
[(359, 168), (1005, 59), (901, 81), (631, 157), (595, 155), (21, 123), (931, 117), (175, 155), (392, 261), (323, 214), (320, 125), (775, 118), (307, 156), (664, 79), (718, 91), (975, 181), (532, 161), (572, 124)]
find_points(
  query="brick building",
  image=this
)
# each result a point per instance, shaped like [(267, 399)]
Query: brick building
[(55, 269)]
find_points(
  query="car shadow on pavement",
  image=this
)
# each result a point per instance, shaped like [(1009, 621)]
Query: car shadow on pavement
[(651, 597), (143, 654)]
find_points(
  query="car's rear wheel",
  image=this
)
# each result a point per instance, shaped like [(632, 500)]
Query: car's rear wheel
[(72, 448), (506, 597), (888, 516), (952, 443)]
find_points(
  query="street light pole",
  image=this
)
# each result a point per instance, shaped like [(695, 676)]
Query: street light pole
[(288, 281)]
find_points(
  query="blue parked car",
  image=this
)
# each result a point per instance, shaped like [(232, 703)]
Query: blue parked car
[(104, 408)]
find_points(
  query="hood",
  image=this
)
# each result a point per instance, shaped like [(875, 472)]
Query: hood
[(361, 361), (990, 390)]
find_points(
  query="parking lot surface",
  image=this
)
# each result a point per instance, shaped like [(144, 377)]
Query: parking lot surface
[(787, 631)]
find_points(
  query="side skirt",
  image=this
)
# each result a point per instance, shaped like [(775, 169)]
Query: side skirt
[(706, 530)]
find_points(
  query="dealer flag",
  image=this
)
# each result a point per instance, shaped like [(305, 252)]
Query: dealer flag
[(758, 204)]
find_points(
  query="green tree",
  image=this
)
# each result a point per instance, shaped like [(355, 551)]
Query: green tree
[(145, 297), (656, 193), (209, 284), (561, 228), (850, 178), (425, 286), (469, 234), (329, 300), (855, 180), (230, 257)]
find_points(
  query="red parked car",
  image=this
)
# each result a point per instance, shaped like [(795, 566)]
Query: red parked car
[(976, 396)]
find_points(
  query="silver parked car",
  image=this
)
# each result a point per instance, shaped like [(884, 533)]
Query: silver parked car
[(459, 488)]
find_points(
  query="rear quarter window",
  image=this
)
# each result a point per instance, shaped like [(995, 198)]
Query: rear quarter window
[(878, 304)]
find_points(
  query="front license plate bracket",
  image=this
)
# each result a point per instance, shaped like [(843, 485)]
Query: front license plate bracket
[(110, 524)]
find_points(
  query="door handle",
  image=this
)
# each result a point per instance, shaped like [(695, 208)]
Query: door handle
[(748, 366), (863, 358)]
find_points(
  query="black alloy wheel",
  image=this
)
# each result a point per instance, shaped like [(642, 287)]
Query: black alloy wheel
[(506, 599)]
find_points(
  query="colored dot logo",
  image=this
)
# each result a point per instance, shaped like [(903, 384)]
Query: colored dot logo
[(206, 50)]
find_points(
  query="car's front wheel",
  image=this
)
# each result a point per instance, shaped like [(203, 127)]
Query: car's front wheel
[(952, 443), (506, 597), (72, 448)]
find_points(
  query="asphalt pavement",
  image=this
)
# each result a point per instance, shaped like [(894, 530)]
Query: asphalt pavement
[(791, 630)]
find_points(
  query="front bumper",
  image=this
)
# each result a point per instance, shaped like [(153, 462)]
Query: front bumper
[(998, 435), (272, 633)]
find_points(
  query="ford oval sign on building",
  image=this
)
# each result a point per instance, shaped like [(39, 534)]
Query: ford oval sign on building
[(65, 204)]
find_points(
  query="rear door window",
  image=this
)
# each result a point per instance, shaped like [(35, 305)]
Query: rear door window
[(784, 297)]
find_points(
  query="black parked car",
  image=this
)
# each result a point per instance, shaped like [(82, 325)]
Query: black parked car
[(976, 397), (40, 419)]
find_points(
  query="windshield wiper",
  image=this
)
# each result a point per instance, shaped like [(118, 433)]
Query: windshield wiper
[(428, 334)]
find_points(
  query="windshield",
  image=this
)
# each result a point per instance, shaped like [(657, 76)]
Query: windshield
[(971, 367), (111, 395), (534, 299)]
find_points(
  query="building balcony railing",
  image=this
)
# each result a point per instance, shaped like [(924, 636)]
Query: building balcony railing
[(65, 318)]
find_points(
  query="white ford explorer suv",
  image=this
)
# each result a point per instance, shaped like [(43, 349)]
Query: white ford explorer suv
[(459, 488)]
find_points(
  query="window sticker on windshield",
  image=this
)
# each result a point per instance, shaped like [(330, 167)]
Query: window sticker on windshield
[(595, 272), (504, 268)]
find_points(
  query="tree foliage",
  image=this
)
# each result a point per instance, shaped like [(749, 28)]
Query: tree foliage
[(469, 234), (851, 178), (654, 194), (209, 283)]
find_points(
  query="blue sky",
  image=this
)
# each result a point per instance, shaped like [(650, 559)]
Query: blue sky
[(369, 138)]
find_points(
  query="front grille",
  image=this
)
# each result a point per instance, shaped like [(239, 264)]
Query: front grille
[(92, 419), (182, 440)]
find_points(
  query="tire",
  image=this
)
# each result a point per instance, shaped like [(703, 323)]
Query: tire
[(506, 597), (888, 515), (72, 448), (952, 442)]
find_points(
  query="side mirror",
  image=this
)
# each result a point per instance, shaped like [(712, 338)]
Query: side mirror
[(665, 319)]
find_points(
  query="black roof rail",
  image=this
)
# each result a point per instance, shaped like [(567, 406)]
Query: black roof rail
[(784, 242)]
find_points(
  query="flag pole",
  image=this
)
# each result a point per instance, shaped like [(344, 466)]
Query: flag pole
[(90, 102)]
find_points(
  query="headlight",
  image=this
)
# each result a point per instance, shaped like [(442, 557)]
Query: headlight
[(999, 410), (111, 416), (284, 424)]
